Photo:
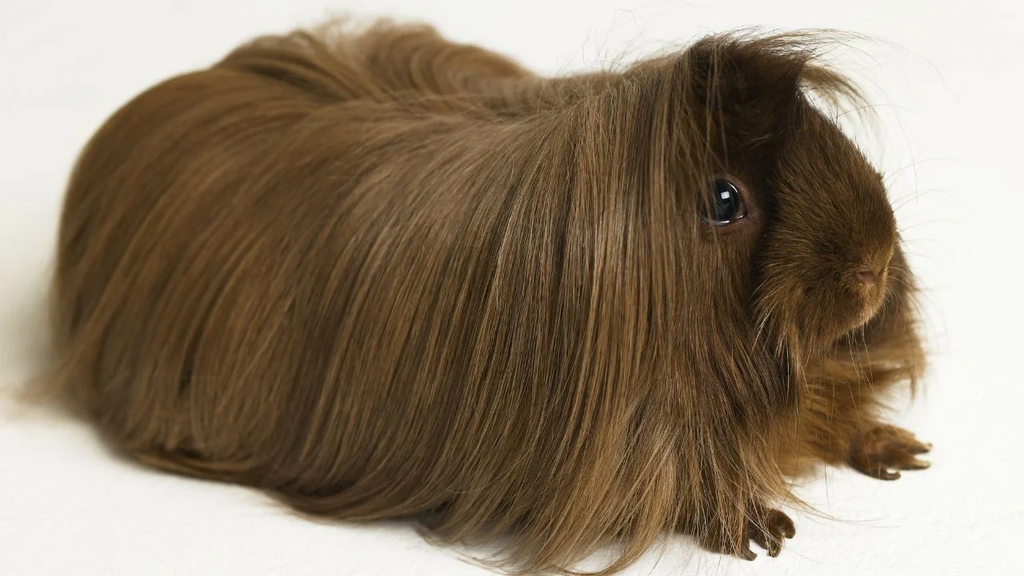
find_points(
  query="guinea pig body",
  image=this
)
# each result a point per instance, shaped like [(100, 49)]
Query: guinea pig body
[(380, 275)]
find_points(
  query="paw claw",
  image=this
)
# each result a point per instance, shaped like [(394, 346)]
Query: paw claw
[(747, 554)]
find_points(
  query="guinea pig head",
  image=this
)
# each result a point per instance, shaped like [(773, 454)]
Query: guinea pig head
[(791, 206)]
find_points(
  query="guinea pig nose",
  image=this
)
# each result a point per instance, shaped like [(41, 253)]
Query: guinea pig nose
[(866, 276)]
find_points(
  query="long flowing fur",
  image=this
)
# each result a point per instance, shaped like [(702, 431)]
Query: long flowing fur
[(380, 274)]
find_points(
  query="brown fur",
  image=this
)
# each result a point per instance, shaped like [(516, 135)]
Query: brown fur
[(381, 275)]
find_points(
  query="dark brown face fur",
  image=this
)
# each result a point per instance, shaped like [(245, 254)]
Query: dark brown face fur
[(379, 274), (832, 235)]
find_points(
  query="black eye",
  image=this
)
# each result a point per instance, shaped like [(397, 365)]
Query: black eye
[(725, 204)]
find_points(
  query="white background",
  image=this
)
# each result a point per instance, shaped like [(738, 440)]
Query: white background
[(948, 82)]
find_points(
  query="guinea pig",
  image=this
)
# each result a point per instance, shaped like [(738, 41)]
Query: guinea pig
[(379, 274)]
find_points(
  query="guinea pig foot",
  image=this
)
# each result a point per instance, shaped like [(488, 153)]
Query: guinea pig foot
[(766, 527), (883, 451), (769, 529)]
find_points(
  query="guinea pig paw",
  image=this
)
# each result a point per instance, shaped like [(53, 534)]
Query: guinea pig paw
[(769, 529), (883, 451), (714, 539)]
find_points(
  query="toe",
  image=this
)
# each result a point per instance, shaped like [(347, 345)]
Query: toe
[(783, 524), (884, 474), (915, 464), (918, 447), (875, 469), (774, 546)]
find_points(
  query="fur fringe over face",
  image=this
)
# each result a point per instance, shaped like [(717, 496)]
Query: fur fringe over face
[(380, 274)]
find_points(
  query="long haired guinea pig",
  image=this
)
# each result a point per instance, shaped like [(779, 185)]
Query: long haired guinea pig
[(380, 274)]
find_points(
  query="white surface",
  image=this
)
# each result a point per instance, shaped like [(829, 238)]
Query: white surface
[(949, 83)]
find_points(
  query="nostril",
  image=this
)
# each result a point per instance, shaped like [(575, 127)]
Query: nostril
[(866, 276)]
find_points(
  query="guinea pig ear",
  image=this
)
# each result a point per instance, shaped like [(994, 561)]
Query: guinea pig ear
[(756, 81)]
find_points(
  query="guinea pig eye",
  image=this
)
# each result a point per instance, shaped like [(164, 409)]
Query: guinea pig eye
[(725, 205)]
